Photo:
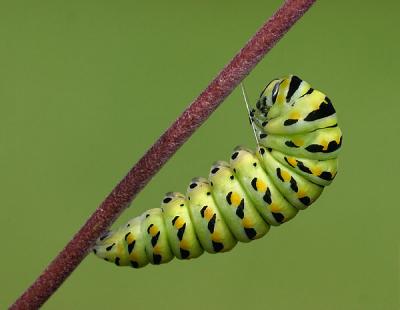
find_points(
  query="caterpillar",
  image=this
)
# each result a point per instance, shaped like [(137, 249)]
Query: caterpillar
[(296, 157)]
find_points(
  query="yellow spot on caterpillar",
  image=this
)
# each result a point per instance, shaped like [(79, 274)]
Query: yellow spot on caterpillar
[(301, 193), (184, 244), (120, 248), (315, 102), (316, 171), (274, 207), (281, 96), (294, 115), (247, 223), (153, 230), (324, 143), (285, 175), (130, 238), (156, 249), (179, 222), (208, 213), (298, 141), (216, 237), (133, 256), (292, 161), (261, 186), (235, 198)]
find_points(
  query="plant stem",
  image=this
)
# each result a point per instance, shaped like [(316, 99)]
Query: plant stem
[(173, 138)]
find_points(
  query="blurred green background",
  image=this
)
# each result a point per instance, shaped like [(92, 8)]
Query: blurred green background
[(87, 86)]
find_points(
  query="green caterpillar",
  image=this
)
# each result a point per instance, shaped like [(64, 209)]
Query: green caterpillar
[(299, 140)]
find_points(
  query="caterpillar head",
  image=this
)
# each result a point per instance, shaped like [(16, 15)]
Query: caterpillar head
[(284, 91), (268, 96)]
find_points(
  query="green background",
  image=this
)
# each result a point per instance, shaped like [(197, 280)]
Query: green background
[(87, 86)]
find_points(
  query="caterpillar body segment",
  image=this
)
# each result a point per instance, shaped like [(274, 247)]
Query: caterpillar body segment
[(302, 116), (297, 190), (236, 207), (212, 231), (270, 203), (299, 140), (321, 172), (320, 144)]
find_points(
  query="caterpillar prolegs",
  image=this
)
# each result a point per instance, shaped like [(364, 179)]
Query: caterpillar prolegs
[(298, 143)]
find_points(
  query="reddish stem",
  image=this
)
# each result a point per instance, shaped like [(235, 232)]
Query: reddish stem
[(122, 195)]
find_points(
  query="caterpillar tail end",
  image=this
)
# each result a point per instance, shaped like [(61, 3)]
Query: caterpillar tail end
[(118, 246)]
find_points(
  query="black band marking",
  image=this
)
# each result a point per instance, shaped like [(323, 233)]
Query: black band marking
[(250, 232), (181, 231), (110, 247), (240, 209), (305, 200), (184, 253), (309, 92), (332, 146), (267, 196), (174, 219), (131, 246), (157, 259), (278, 217), (290, 144), (134, 264), (167, 199), (289, 162), (217, 246), (154, 239), (325, 109), (214, 170), (211, 223), (279, 175), (290, 121), (254, 184), (303, 168), (293, 86), (203, 210), (228, 198), (293, 185), (326, 175)]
